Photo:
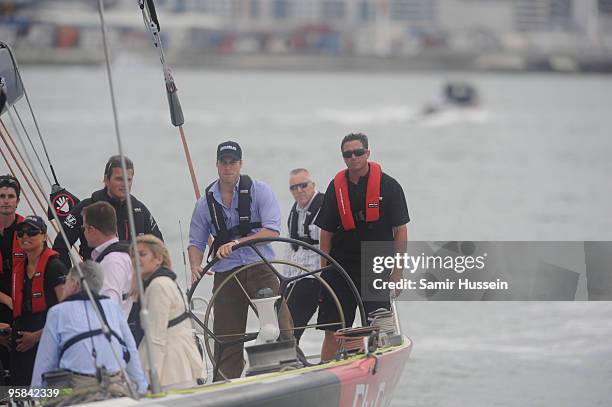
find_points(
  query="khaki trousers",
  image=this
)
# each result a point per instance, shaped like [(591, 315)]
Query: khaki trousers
[(230, 312)]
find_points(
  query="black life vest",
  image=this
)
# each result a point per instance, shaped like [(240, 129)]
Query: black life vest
[(39, 303), (372, 204), (164, 272), (311, 214), (94, 332), (121, 246), (123, 229), (245, 226)]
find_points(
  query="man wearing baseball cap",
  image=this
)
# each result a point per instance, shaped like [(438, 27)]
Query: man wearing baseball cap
[(233, 210)]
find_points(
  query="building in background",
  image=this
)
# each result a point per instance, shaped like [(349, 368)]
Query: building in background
[(452, 32)]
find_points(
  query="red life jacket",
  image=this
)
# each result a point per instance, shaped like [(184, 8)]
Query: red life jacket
[(16, 249), (372, 207), (38, 283)]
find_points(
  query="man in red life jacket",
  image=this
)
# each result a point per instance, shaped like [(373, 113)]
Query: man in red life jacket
[(10, 190), (361, 203)]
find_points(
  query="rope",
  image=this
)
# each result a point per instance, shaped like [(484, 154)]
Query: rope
[(10, 167), (154, 381), (31, 143), (42, 141), (75, 259), (19, 151), (23, 174)]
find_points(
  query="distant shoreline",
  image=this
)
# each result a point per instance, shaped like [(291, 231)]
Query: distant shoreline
[(431, 61), (441, 60)]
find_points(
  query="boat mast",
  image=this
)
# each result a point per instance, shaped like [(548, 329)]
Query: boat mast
[(151, 22)]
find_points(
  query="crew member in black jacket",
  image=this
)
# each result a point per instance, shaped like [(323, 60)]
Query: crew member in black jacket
[(114, 193)]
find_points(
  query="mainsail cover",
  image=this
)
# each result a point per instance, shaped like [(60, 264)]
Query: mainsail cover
[(10, 82)]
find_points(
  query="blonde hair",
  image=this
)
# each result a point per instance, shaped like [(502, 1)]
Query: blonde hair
[(159, 251), (157, 247)]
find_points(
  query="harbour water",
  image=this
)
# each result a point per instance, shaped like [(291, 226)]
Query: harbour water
[(532, 164)]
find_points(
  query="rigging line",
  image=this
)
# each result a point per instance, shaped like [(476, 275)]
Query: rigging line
[(31, 144), (187, 275), (10, 167), (19, 151), (75, 259), (154, 381), (32, 190), (28, 164), (21, 170), (25, 93)]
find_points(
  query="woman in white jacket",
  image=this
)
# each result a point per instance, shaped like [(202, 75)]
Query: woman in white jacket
[(175, 355)]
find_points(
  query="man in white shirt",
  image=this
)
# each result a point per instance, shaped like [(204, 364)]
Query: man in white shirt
[(100, 229), (304, 293)]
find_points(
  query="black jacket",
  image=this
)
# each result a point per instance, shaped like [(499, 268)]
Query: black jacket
[(144, 221)]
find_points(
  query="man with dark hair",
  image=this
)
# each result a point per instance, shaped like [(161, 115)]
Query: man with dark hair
[(362, 138), (361, 203), (235, 209), (10, 190), (115, 194), (100, 230)]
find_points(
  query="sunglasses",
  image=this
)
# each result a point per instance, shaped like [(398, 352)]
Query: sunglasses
[(358, 152), (301, 185), (29, 232)]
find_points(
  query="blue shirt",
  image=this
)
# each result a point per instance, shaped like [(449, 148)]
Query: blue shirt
[(264, 209), (70, 318)]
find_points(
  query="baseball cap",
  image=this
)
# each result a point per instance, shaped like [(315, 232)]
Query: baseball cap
[(35, 222), (229, 149)]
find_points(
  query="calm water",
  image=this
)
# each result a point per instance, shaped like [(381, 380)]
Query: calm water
[(534, 164)]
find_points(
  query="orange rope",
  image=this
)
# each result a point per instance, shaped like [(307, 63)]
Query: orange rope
[(21, 170), (23, 174), (13, 173), (22, 159)]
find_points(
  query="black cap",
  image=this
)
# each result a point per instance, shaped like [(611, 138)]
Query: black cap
[(35, 222), (229, 149)]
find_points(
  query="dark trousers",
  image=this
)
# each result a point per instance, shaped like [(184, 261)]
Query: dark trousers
[(303, 302), (22, 365), (230, 312)]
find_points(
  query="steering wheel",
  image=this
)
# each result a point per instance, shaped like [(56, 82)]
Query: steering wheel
[(284, 291)]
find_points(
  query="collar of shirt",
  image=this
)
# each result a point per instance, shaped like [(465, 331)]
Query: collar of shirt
[(305, 209), (216, 190), (243, 255), (98, 250)]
